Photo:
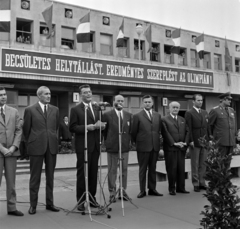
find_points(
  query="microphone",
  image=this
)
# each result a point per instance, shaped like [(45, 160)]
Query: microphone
[(101, 104), (118, 106)]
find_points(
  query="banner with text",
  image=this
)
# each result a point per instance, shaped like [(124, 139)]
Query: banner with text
[(29, 62)]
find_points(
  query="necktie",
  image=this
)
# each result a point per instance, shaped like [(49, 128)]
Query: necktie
[(150, 115), (45, 111), (2, 113)]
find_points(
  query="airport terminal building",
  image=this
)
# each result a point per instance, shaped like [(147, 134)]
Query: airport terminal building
[(28, 59)]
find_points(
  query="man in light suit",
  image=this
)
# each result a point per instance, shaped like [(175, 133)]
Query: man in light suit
[(77, 126), (175, 140), (40, 127), (10, 137), (197, 122), (111, 140), (146, 130)]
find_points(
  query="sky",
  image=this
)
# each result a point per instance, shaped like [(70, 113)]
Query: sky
[(220, 18)]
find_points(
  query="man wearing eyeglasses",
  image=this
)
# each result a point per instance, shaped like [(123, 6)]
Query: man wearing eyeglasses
[(222, 124), (77, 126)]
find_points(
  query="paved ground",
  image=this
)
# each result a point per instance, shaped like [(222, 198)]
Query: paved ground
[(167, 212)]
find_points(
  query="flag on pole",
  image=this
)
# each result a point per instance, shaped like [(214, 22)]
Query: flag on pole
[(148, 35), (5, 16), (200, 46), (176, 37), (47, 15), (228, 64), (120, 37), (83, 30)]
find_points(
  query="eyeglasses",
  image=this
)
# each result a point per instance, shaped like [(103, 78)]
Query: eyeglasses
[(87, 92)]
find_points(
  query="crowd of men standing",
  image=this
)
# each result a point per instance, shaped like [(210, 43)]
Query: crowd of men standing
[(145, 130)]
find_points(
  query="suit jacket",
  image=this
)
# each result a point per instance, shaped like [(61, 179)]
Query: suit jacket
[(222, 125), (174, 132), (10, 130), (146, 133), (39, 131), (64, 131), (77, 126), (111, 132), (197, 125)]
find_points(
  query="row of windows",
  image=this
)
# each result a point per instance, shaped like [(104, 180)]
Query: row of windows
[(24, 35)]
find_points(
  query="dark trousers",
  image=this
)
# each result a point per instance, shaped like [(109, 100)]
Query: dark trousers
[(147, 160), (36, 163), (225, 150), (92, 174), (175, 166)]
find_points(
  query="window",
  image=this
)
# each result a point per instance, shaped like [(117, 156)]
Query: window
[(155, 52), (124, 51), (217, 43), (68, 13), (68, 38), (89, 46), (106, 20), (207, 60), (193, 38), (105, 44), (217, 62), (168, 33), (168, 56), (24, 31), (194, 58), (44, 38), (237, 48), (237, 65), (182, 57), (136, 50)]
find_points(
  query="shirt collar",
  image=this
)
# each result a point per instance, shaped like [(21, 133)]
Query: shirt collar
[(173, 116), (197, 109), (42, 105), (148, 111)]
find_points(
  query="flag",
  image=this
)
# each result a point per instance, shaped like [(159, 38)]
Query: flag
[(228, 61), (47, 15), (200, 45), (176, 37), (83, 30), (148, 35), (5, 16), (120, 37)]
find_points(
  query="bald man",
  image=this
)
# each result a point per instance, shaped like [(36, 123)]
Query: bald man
[(175, 140)]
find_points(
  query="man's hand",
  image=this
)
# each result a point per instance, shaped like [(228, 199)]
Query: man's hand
[(6, 152), (99, 124), (191, 144), (91, 127), (12, 149)]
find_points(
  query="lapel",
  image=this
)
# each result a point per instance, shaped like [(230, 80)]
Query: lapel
[(115, 116), (49, 110), (176, 123), (89, 113), (195, 112), (39, 109), (7, 116), (146, 116)]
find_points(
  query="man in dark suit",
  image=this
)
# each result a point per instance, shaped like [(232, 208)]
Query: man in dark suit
[(77, 126), (175, 140), (40, 127), (222, 125), (146, 130), (64, 133), (111, 137), (10, 137), (197, 122)]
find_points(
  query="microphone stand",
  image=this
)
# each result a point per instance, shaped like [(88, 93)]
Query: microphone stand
[(121, 190), (87, 193)]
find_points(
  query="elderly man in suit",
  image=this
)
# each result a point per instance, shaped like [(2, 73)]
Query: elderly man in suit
[(10, 137), (175, 140), (222, 125), (40, 128), (111, 137), (197, 122), (77, 126), (146, 130)]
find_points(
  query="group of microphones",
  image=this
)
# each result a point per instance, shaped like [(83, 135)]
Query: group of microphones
[(106, 104)]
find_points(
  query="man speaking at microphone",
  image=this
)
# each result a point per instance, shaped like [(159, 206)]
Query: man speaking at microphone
[(77, 126), (111, 137)]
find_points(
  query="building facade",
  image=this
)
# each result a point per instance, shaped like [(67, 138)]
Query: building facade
[(28, 59)]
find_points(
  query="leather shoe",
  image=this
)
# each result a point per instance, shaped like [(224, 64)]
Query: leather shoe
[(196, 189), (154, 193), (52, 208), (81, 208), (172, 193), (16, 213), (141, 194), (183, 191), (203, 187), (32, 210), (112, 199)]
